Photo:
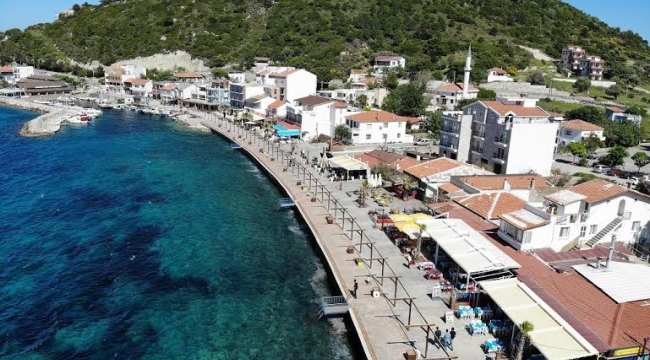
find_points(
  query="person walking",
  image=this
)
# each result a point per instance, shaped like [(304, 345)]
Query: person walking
[(408, 260), (438, 337), (356, 288), (452, 334), (447, 339)]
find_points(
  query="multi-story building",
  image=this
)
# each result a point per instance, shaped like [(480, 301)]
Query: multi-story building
[(240, 92), (7, 74), (286, 83), (141, 88), (581, 216), (189, 77), (576, 61), (218, 92), (377, 127), (496, 74), (616, 113), (576, 130), (114, 79), (384, 63), (592, 67), (12, 73), (316, 115), (507, 136), (448, 95)]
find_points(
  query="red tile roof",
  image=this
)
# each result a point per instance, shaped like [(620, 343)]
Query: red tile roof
[(616, 109), (288, 126), (376, 116), (580, 125), (168, 87), (283, 74), (140, 81), (497, 182), (499, 71), (432, 167), (370, 160), (340, 105), (457, 87), (449, 188), (6, 69), (598, 190), (313, 100), (517, 110), (491, 206), (385, 156), (405, 163), (277, 104)]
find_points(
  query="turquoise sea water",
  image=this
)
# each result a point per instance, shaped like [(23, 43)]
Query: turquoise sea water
[(133, 238)]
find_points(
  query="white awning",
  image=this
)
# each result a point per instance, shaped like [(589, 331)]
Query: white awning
[(467, 247), (551, 335), (348, 163)]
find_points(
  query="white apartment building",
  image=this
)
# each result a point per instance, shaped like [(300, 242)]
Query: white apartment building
[(384, 63), (448, 95), (581, 216), (12, 73), (141, 88), (374, 97), (507, 136), (377, 127), (616, 113), (286, 83), (498, 75), (576, 130), (592, 67), (316, 115), (114, 78), (240, 92)]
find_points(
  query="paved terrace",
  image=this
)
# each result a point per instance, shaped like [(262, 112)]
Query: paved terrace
[(381, 323)]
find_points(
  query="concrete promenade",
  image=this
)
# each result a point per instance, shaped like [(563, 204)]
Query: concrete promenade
[(381, 322), (46, 124)]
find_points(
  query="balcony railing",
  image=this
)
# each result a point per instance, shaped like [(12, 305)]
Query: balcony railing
[(478, 133), (449, 145), (450, 129), (477, 149), (496, 156)]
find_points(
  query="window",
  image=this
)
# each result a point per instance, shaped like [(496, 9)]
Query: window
[(368, 136), (399, 135), (369, 126), (583, 231), (385, 124), (399, 124), (636, 225), (567, 132), (564, 232), (593, 229)]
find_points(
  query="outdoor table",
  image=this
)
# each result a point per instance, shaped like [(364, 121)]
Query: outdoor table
[(478, 327), (496, 326)]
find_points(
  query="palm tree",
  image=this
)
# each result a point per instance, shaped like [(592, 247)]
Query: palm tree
[(524, 329), (419, 243)]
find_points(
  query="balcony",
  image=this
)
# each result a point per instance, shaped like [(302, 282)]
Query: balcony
[(476, 149), (501, 141), (478, 134), (450, 130), (498, 158), (451, 146)]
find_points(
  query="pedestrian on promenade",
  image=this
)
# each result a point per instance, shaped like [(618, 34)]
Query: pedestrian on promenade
[(356, 288), (438, 337), (408, 260), (452, 333), (447, 339)]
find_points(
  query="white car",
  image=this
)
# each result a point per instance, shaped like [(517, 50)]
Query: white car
[(423, 142), (601, 169)]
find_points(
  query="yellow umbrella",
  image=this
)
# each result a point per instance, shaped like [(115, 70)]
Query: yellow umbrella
[(408, 227), (401, 218), (420, 216)]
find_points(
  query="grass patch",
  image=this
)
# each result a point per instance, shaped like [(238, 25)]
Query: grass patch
[(558, 106)]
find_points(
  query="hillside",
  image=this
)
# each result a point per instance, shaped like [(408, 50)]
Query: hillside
[(330, 36)]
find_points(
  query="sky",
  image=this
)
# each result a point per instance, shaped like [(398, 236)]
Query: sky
[(626, 14)]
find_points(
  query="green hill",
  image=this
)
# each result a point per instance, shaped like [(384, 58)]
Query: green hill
[(330, 36)]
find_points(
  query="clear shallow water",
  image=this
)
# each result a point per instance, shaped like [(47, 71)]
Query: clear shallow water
[(133, 238)]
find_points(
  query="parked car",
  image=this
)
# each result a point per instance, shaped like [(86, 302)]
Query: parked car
[(423, 142), (615, 172), (601, 169)]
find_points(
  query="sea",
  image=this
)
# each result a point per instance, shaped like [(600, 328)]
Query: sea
[(136, 238)]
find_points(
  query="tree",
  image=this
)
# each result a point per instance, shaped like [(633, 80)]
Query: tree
[(592, 142), (614, 91), (536, 78), (219, 73), (577, 149), (362, 100), (76, 7), (582, 84), (486, 94), (590, 114), (433, 123), (390, 81), (524, 329), (641, 159), (636, 110), (623, 133), (406, 100), (341, 132), (616, 156)]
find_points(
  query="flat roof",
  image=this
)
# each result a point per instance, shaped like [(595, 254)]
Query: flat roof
[(467, 247), (623, 282), (348, 163), (552, 336)]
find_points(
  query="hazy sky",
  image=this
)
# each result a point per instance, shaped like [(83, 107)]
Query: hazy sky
[(626, 14)]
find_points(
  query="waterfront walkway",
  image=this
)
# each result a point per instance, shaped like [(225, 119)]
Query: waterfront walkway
[(398, 319)]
